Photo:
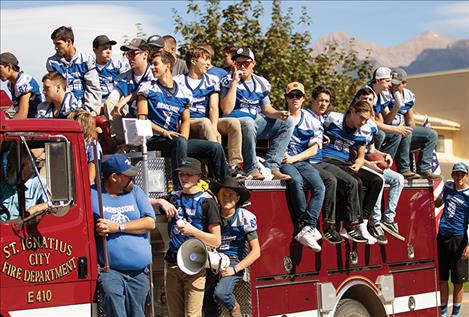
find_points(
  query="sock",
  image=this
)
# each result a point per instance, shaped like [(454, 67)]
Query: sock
[(444, 310), (456, 310)]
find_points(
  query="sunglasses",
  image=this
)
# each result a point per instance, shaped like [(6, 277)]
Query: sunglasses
[(132, 54), (296, 95), (243, 64)]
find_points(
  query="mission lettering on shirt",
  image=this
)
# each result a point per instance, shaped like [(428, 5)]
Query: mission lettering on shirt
[(250, 96), (165, 109), (74, 71), (455, 218), (408, 101), (107, 74), (343, 139), (201, 90), (233, 235), (46, 109), (127, 83), (25, 84)]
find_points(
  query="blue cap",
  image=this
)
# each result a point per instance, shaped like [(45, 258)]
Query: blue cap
[(460, 167), (119, 164)]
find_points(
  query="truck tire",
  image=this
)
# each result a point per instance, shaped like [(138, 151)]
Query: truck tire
[(350, 308)]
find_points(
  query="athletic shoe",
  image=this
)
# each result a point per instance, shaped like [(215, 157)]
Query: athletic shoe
[(353, 234), (332, 236), (377, 232), (364, 231), (317, 234), (392, 229), (306, 238)]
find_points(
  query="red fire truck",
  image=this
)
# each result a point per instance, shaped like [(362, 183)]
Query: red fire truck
[(48, 264)]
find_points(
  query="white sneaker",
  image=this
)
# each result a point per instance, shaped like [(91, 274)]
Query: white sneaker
[(306, 238), (362, 227), (317, 234)]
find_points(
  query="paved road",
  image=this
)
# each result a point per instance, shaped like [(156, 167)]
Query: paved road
[(465, 305)]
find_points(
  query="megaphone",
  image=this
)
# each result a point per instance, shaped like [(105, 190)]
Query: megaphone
[(193, 256)]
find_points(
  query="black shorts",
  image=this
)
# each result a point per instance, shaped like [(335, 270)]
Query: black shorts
[(450, 250)]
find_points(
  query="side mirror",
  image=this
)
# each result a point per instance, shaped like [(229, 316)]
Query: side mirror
[(59, 176)]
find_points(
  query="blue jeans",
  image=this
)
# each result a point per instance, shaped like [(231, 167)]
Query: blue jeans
[(220, 291), (213, 152), (424, 138), (263, 128), (304, 177), (124, 293), (391, 141), (396, 184)]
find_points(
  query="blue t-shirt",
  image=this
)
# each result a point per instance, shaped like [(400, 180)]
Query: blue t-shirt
[(165, 109), (217, 71), (201, 93), (251, 96), (126, 251), (46, 110), (234, 234), (25, 84), (107, 74), (343, 139), (408, 101), (455, 216)]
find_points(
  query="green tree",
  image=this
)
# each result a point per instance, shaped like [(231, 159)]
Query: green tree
[(282, 54)]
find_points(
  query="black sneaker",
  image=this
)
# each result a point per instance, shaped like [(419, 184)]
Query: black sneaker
[(353, 234), (331, 235), (377, 232), (392, 229)]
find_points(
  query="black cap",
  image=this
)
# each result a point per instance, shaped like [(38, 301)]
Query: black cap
[(155, 41), (102, 40), (190, 165), (8, 58), (135, 44), (243, 52)]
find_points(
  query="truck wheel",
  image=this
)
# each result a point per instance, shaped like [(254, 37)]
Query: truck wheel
[(350, 308)]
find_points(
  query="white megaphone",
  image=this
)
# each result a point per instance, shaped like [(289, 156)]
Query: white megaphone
[(193, 256)]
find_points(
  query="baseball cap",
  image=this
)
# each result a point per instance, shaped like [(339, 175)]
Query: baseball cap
[(295, 86), (135, 44), (398, 76), (460, 167), (382, 73), (155, 41), (243, 52), (119, 164), (8, 58), (190, 165), (102, 40)]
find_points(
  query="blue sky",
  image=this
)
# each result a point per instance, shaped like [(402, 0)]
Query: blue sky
[(386, 23)]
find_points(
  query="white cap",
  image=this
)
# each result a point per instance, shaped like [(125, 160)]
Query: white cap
[(382, 73)]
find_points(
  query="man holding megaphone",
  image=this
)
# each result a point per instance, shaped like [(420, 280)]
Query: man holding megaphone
[(196, 216)]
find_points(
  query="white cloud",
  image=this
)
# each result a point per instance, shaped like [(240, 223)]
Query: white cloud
[(453, 16), (26, 32)]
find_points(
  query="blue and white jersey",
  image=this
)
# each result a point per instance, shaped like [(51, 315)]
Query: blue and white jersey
[(89, 149), (455, 216), (408, 101), (250, 96), (127, 83), (74, 71), (165, 109), (46, 110), (126, 251), (217, 71), (208, 85), (307, 131), (369, 130), (234, 234), (25, 84), (107, 74), (342, 138)]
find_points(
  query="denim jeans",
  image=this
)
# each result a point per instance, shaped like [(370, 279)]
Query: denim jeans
[(263, 128), (424, 138), (330, 183), (213, 152), (396, 184), (392, 142), (124, 293), (220, 291), (304, 177)]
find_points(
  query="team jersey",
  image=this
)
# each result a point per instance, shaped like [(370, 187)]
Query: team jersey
[(217, 71), (307, 131), (455, 216), (25, 84), (408, 101), (208, 85), (250, 96), (235, 233), (126, 251), (200, 210), (342, 139), (74, 71), (46, 109), (89, 149), (165, 109), (107, 74), (127, 83), (379, 102), (369, 130)]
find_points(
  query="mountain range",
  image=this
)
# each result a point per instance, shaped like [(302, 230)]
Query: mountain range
[(427, 52)]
